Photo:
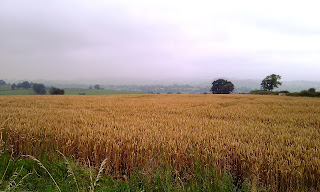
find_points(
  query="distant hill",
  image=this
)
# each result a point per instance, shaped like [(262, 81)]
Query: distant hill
[(8, 91), (183, 86), (297, 86)]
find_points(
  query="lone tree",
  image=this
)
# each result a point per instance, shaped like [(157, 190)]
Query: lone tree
[(222, 86), (96, 86), (270, 82), (13, 86), (312, 90), (26, 85), (39, 89), (2, 82), (56, 91), (19, 85)]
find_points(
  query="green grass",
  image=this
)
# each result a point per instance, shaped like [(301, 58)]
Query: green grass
[(18, 173), (18, 92), (98, 92), (5, 87), (6, 91)]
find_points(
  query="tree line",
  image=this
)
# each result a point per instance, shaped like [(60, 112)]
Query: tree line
[(222, 86), (272, 81), (23, 85), (38, 88)]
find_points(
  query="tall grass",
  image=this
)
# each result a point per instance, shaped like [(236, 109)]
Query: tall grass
[(28, 176)]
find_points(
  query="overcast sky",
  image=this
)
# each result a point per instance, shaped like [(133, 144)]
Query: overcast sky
[(158, 39)]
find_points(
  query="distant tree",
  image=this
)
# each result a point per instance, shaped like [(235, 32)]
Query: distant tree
[(306, 93), (90, 87), (270, 82), (96, 86), (19, 85), (31, 84), (56, 91), (178, 92), (39, 89), (26, 85), (2, 82), (13, 86), (312, 90), (169, 93), (222, 86)]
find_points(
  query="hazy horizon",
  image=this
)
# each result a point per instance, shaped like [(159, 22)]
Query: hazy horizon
[(159, 40)]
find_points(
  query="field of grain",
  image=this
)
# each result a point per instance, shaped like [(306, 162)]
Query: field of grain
[(271, 140)]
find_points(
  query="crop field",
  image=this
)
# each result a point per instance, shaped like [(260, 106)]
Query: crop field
[(269, 140)]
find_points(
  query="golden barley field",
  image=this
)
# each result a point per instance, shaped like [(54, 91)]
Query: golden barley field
[(270, 140)]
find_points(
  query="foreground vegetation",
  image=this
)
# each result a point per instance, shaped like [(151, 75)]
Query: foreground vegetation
[(30, 174), (269, 141)]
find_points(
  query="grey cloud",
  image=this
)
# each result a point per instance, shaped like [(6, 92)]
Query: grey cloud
[(98, 39)]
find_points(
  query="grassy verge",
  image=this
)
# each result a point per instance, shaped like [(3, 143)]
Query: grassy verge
[(304, 93), (5, 87), (26, 173), (97, 92), (18, 92)]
